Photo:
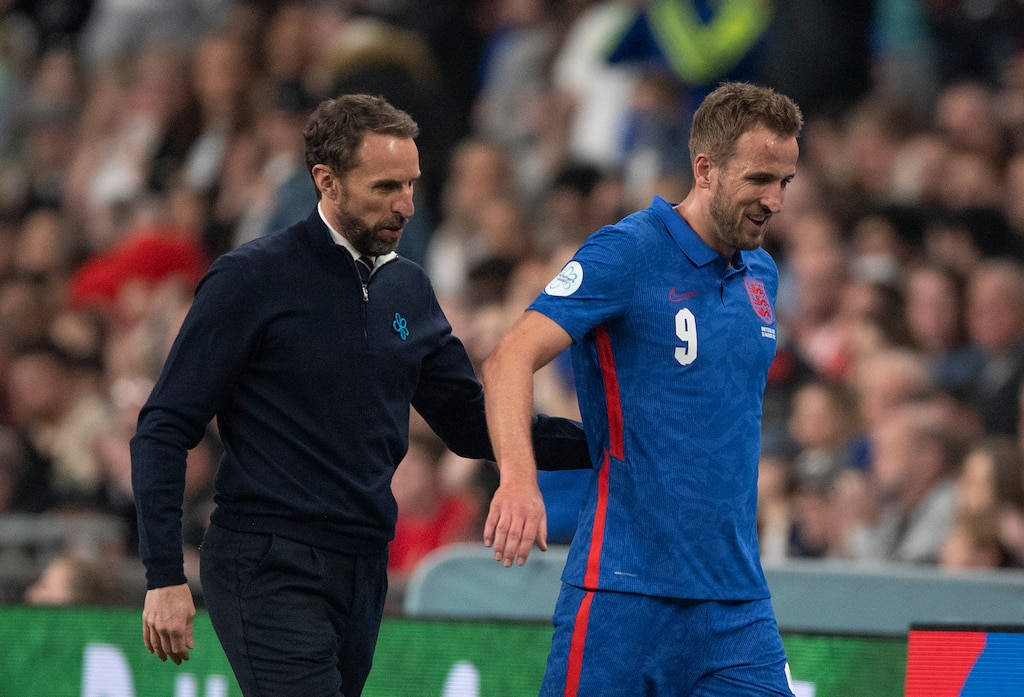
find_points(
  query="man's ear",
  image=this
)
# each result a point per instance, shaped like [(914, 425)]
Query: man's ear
[(325, 180), (702, 167)]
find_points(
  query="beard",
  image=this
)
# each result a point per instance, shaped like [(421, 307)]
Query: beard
[(729, 226), (368, 240)]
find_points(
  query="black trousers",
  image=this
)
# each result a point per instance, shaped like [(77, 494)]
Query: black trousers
[(293, 619)]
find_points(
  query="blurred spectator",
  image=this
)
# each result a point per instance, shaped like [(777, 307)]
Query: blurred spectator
[(77, 579), (812, 534), (655, 140), (912, 468), (934, 313), (115, 27), (831, 42), (886, 381), (905, 53), (282, 193), (57, 416), (146, 255), (222, 159), (598, 89), (990, 504), (703, 44), (137, 126), (816, 270), (966, 116), (991, 477), (876, 130), (579, 199), (995, 326), (973, 39), (973, 543), (481, 172), (822, 422)]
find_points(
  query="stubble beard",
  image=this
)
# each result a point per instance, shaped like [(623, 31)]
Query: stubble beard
[(729, 227)]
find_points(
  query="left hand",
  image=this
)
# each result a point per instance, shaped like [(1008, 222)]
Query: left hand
[(516, 520)]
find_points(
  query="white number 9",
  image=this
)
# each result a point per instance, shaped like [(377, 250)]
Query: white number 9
[(686, 330)]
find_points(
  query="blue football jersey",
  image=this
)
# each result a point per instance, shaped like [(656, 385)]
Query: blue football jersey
[(671, 348)]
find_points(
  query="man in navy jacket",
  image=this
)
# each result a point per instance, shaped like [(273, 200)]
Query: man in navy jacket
[(309, 346)]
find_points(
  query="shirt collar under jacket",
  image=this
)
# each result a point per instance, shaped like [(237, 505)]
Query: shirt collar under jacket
[(696, 250), (339, 239)]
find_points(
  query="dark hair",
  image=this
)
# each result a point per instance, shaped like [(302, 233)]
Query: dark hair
[(734, 108), (336, 128)]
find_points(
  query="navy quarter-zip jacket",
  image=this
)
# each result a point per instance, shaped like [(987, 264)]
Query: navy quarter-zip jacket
[(310, 376)]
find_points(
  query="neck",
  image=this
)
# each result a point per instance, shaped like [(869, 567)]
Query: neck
[(695, 213)]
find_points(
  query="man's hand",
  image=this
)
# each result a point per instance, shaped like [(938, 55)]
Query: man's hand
[(516, 519), (167, 622)]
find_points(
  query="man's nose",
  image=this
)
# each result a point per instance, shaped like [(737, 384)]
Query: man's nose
[(404, 205), (772, 200)]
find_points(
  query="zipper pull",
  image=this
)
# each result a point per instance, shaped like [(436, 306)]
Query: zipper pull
[(366, 294)]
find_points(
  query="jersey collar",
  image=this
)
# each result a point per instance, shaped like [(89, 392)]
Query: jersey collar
[(692, 245), (695, 249)]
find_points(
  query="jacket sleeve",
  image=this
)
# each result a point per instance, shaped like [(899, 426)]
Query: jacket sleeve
[(559, 443), (450, 399), (204, 361)]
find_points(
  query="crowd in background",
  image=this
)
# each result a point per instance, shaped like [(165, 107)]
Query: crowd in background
[(139, 140)]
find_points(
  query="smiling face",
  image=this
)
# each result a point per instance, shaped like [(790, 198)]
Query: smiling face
[(746, 190), (371, 203)]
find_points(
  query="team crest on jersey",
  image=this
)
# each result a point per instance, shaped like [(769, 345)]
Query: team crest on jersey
[(567, 281), (759, 300)]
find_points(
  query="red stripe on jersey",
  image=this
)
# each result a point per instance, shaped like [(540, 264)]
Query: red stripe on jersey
[(593, 573), (579, 639), (613, 404)]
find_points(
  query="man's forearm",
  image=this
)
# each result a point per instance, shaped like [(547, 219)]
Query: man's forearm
[(508, 398)]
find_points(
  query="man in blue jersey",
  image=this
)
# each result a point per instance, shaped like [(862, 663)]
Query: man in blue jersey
[(670, 317)]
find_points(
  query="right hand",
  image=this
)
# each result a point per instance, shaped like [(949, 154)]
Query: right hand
[(167, 622)]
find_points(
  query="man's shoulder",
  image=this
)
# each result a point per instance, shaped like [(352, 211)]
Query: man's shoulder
[(274, 248), (633, 230), (641, 222)]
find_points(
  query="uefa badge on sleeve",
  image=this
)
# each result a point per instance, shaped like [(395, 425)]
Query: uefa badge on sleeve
[(567, 281)]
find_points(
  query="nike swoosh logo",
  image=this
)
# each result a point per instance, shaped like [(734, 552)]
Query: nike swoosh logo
[(675, 297)]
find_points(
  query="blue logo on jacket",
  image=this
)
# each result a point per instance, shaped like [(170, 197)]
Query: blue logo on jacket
[(401, 326)]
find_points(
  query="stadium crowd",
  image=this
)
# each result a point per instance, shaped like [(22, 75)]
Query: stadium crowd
[(139, 140)]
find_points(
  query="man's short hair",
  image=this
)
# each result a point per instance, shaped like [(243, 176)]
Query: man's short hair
[(734, 108), (336, 128)]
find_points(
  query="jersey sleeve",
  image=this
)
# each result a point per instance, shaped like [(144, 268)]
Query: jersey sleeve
[(595, 286)]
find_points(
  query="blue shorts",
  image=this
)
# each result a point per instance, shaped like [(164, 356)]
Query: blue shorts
[(609, 643)]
